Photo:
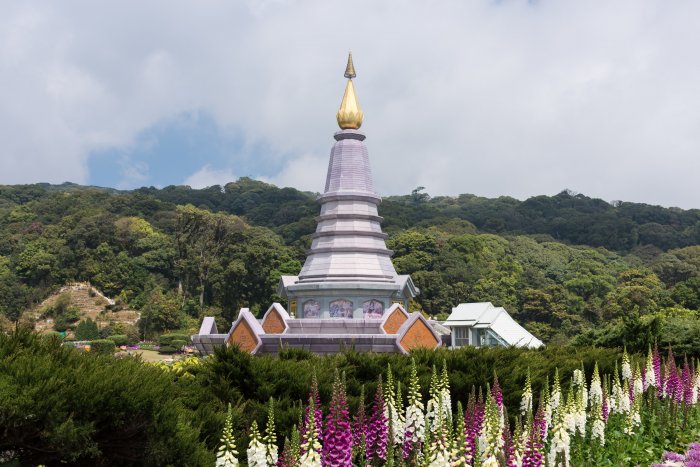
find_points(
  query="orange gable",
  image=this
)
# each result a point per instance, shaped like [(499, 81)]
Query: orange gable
[(394, 321), (273, 323), (419, 335), (244, 337)]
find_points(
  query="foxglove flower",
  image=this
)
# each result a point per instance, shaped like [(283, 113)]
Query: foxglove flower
[(414, 428), (580, 409), (509, 445), (226, 455), (440, 443), (687, 383), (595, 395), (473, 420), (577, 378), (569, 411), (270, 435), (359, 427), (257, 453), (674, 386), (650, 375), (540, 423), (598, 426), (526, 399), (445, 392), (626, 367), (391, 408), (458, 451), (377, 429), (337, 437), (546, 402), (318, 413), (556, 393), (436, 394), (638, 384), (311, 447), (633, 419), (490, 440), (656, 361), (533, 453), (560, 445)]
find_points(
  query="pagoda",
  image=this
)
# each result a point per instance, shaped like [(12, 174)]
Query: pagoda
[(348, 293), (348, 271)]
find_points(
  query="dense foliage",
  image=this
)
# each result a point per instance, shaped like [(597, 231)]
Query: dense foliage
[(59, 405), (565, 265), (628, 417), (91, 409)]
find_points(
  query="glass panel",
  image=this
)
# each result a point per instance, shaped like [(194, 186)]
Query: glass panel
[(488, 338), (461, 336), (341, 309), (373, 309)]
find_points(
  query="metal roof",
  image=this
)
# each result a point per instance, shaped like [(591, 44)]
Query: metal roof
[(483, 315)]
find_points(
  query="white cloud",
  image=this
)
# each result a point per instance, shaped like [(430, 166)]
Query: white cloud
[(206, 177), (306, 173), (515, 98)]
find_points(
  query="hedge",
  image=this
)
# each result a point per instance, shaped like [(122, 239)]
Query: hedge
[(167, 339), (119, 339), (102, 346)]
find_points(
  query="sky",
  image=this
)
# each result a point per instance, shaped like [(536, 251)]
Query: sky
[(492, 98)]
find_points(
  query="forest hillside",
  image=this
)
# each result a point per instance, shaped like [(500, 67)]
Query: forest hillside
[(567, 266)]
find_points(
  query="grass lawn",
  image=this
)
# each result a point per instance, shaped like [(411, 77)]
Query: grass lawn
[(154, 356)]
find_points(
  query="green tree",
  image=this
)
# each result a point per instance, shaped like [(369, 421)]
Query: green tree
[(201, 237), (162, 312), (86, 330)]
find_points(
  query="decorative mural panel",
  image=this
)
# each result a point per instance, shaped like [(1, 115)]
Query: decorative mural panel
[(341, 309), (373, 309), (312, 309)]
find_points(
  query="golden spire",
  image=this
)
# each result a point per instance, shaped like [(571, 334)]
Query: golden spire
[(350, 68), (349, 115)]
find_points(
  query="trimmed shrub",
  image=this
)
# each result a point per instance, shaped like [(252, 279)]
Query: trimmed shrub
[(87, 330), (167, 339), (119, 339), (102, 346), (173, 346), (63, 323)]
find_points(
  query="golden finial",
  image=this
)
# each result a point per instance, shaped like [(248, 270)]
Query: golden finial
[(349, 115)]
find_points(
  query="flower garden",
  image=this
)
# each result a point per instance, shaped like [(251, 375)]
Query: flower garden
[(629, 417)]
